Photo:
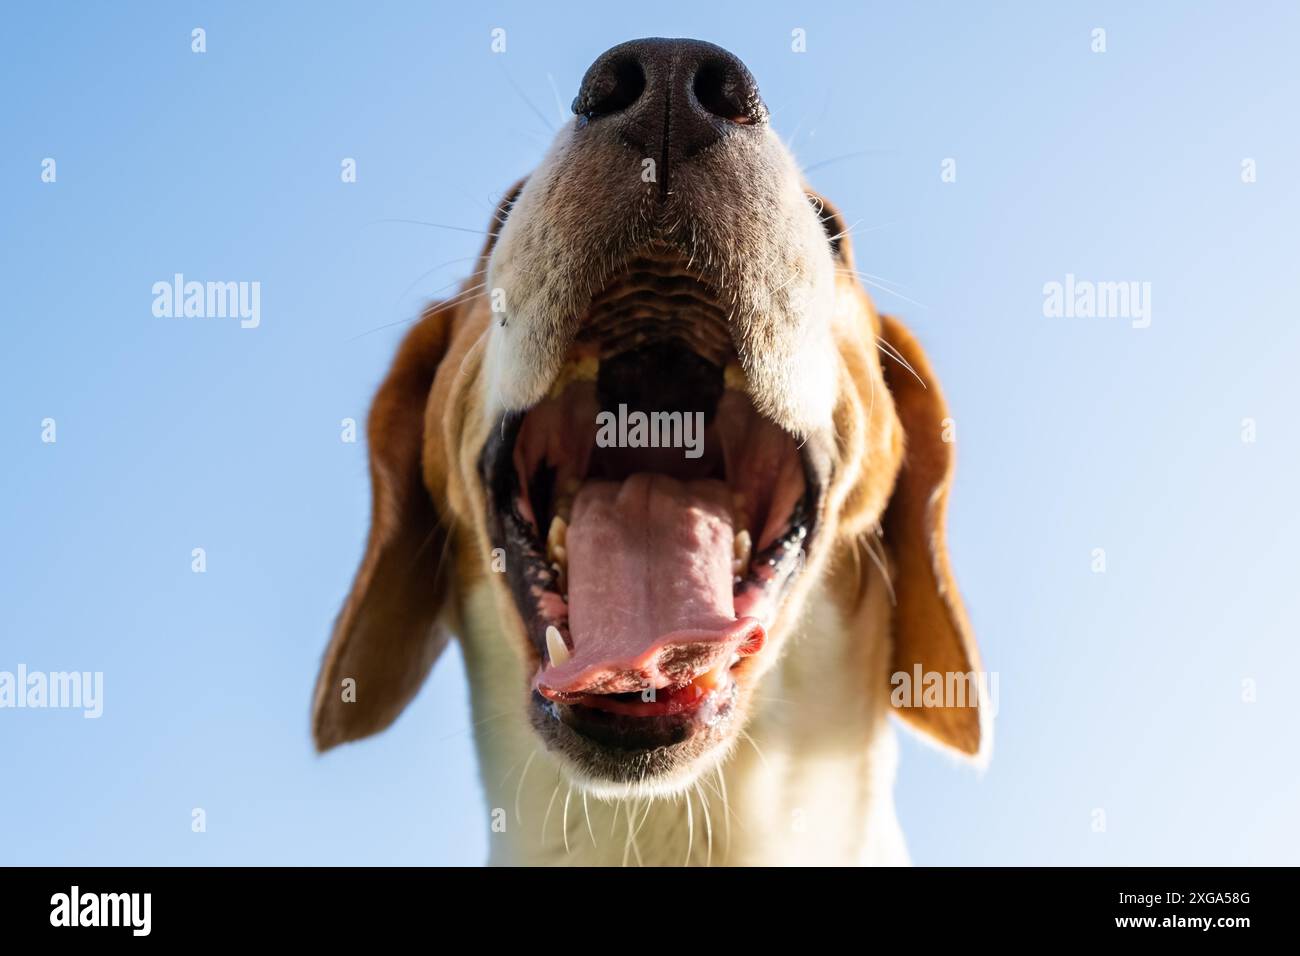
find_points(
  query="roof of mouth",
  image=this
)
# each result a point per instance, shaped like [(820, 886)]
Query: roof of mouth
[(657, 298)]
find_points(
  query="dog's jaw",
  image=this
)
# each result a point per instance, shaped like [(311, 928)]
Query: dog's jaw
[(809, 783)]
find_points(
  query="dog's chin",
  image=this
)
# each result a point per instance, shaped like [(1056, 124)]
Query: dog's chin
[(615, 756), (647, 572)]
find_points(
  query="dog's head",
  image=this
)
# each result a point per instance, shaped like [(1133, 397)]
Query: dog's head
[(658, 413)]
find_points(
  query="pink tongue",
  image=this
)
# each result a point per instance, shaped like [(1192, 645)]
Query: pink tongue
[(650, 587)]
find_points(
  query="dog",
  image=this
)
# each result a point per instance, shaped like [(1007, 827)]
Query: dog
[(672, 658)]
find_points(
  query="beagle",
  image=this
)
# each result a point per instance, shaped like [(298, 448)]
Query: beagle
[(673, 658)]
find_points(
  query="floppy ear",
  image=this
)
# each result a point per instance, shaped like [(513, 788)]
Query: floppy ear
[(389, 633), (931, 633), (387, 636)]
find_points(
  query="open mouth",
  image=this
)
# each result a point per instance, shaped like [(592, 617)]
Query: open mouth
[(652, 520)]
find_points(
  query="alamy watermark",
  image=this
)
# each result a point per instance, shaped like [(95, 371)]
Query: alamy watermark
[(638, 429), (75, 908), (209, 300), (1085, 299), (60, 690), (922, 688)]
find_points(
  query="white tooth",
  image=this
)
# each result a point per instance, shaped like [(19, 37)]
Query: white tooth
[(555, 649), (741, 549), (583, 369), (555, 539)]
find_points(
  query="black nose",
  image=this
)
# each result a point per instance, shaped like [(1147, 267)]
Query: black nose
[(671, 98)]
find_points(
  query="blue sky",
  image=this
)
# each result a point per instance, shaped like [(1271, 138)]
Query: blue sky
[(1120, 691)]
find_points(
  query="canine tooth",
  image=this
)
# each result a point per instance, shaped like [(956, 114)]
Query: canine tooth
[(733, 376), (742, 548), (564, 499), (555, 648), (555, 539), (583, 369), (739, 513)]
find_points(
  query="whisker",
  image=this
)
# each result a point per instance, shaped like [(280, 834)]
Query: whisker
[(870, 275), (565, 822), (885, 285), (554, 793), (844, 156), (627, 844), (871, 405), (845, 232), (858, 232), (423, 275), (434, 225), (636, 848), (726, 807), (457, 299), (559, 103), (587, 813), (519, 789), (793, 276), (753, 743), (524, 96), (899, 295), (513, 767), (879, 562), (826, 105), (897, 356), (690, 828), (708, 824), (649, 803), (477, 723)]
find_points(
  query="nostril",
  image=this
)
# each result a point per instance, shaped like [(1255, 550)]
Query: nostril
[(613, 88), (727, 93)]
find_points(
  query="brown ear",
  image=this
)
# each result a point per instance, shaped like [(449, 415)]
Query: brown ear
[(931, 634), (388, 635)]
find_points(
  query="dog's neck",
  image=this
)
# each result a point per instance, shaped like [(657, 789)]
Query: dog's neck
[(810, 781)]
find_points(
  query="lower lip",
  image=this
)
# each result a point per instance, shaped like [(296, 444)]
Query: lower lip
[(715, 686)]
